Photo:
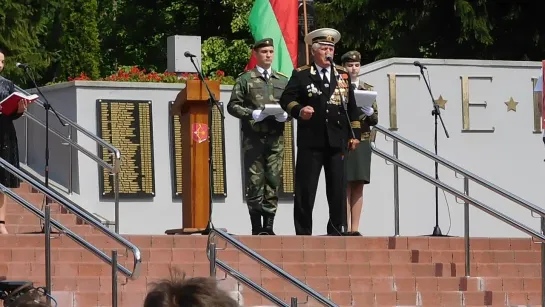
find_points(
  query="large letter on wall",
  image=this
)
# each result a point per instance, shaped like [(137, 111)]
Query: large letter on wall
[(466, 104), (392, 91), (538, 103)]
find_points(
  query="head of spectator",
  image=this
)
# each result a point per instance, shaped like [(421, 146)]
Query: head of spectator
[(191, 292)]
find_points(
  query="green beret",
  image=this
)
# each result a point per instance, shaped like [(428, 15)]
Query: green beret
[(266, 42), (351, 56)]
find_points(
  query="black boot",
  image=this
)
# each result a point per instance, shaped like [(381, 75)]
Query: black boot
[(268, 223), (257, 228)]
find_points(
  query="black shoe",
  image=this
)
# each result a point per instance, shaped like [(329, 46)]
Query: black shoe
[(336, 231), (268, 223), (355, 234), (257, 228)]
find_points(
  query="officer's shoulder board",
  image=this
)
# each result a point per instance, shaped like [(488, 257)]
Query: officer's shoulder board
[(282, 74), (367, 86), (305, 67), (340, 68), (245, 75), (242, 73)]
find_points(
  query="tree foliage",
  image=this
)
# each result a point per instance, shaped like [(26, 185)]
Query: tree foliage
[(23, 23), (62, 38), (79, 43), (409, 28), (220, 54), (241, 12)]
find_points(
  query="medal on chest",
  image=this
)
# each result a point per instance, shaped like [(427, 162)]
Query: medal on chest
[(312, 90), (342, 89)]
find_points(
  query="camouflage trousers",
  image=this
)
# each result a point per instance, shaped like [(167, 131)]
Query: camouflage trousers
[(263, 160)]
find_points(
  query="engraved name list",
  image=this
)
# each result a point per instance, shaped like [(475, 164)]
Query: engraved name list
[(127, 125)]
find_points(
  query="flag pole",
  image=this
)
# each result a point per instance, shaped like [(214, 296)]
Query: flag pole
[(306, 28)]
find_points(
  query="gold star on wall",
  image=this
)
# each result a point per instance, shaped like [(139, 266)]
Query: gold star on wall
[(511, 105), (441, 102)]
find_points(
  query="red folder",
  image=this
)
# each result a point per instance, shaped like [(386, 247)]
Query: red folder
[(11, 103)]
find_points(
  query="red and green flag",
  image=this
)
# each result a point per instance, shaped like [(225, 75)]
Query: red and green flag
[(278, 20)]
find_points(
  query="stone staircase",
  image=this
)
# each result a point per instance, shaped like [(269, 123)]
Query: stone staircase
[(352, 271)]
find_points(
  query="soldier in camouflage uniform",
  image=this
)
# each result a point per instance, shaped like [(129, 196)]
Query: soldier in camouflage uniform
[(263, 136), (358, 162)]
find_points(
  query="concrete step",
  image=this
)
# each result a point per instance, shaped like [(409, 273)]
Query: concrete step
[(351, 271)]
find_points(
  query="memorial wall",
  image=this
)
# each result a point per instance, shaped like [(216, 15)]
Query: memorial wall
[(488, 107)]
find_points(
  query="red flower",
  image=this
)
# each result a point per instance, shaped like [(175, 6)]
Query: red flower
[(81, 76), (135, 74)]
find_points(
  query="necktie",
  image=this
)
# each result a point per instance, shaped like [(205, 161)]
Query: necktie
[(353, 86), (266, 75), (325, 79)]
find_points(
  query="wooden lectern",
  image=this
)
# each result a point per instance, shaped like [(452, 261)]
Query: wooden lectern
[(192, 107)]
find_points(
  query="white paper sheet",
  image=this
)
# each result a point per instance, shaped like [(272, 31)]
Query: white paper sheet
[(365, 98), (272, 109)]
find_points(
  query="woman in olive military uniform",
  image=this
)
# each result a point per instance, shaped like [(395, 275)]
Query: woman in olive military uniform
[(358, 162)]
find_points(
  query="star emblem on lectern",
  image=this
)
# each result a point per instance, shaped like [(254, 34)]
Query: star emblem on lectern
[(511, 105), (441, 102)]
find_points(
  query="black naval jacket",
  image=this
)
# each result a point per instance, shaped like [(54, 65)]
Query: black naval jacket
[(329, 119)]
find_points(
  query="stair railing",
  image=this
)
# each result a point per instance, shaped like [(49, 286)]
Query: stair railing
[(214, 261), (113, 168), (85, 216), (468, 200)]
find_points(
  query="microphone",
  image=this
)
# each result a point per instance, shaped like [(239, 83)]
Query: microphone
[(21, 65), (418, 64), (329, 58), (188, 54)]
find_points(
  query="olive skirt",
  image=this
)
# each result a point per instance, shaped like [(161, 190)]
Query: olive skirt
[(358, 163)]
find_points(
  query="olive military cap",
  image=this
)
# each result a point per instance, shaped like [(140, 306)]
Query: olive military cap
[(351, 56), (266, 42), (324, 36)]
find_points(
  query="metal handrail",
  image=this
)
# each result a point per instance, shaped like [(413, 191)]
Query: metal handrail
[(459, 170), (211, 253), (459, 194), (72, 143), (114, 168), (394, 159), (95, 216), (78, 127), (137, 257)]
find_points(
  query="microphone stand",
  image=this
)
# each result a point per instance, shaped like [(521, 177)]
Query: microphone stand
[(46, 229), (343, 101), (345, 107), (436, 113), (212, 101)]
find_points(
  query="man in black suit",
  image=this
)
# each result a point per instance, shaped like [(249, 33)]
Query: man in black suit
[(319, 96)]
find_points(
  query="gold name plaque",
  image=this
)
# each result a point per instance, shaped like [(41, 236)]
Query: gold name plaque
[(127, 125)]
